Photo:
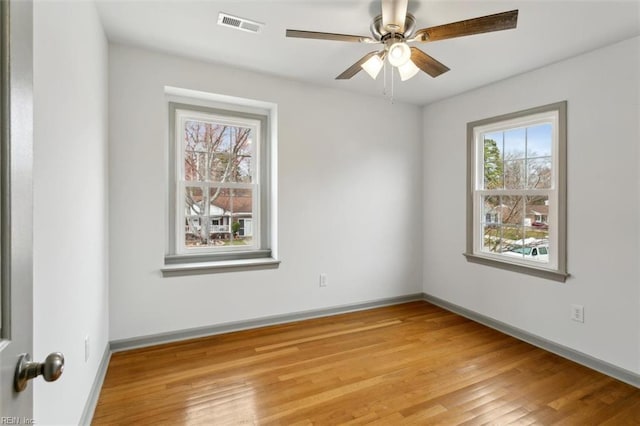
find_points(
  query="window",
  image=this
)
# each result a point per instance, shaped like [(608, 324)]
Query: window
[(220, 175), (516, 216)]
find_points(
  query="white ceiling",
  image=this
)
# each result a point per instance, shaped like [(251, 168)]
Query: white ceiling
[(548, 31)]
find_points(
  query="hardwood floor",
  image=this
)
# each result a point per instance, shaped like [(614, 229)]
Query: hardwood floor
[(413, 363)]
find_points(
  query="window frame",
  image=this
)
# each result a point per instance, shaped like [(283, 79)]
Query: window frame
[(556, 113), (178, 259)]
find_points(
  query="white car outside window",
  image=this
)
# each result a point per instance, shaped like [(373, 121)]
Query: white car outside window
[(539, 253)]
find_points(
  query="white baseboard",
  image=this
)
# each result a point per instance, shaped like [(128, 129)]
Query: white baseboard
[(92, 400)]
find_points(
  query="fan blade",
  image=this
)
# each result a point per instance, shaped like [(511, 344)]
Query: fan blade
[(355, 68), (329, 36), (483, 24), (394, 13), (426, 63)]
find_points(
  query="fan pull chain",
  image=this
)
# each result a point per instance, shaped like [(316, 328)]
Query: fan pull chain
[(392, 84), (384, 79)]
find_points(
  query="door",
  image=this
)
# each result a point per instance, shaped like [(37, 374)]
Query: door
[(16, 213)]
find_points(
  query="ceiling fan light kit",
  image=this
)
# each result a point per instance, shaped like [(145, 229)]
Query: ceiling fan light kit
[(373, 66), (399, 54), (394, 28), (407, 70)]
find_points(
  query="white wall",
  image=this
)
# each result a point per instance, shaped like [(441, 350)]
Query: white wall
[(70, 202), (349, 200), (603, 94)]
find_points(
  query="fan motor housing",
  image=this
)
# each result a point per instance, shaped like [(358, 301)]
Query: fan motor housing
[(381, 34)]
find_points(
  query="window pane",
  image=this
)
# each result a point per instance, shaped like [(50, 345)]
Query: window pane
[(194, 201), (514, 174), (220, 208), (243, 161), (537, 228), (507, 231), (246, 227), (491, 212), (537, 235), (497, 137), (512, 210), (218, 217), (197, 140), (538, 239), (194, 165), (194, 211), (218, 152), (514, 144), (493, 168), (539, 173), (491, 220), (491, 238), (539, 140), (232, 155), (512, 237), (537, 218), (227, 208), (242, 214), (194, 236)]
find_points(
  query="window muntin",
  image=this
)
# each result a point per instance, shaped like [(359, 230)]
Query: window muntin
[(517, 189)]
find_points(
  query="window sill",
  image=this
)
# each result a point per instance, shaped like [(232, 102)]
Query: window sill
[(211, 267), (515, 267)]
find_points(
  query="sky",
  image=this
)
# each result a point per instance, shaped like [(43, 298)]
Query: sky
[(537, 140)]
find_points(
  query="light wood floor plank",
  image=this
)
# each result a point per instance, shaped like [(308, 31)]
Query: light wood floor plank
[(413, 363)]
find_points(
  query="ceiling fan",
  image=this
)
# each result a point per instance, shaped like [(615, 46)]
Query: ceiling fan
[(395, 28)]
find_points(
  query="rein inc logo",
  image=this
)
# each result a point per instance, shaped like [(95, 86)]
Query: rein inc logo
[(5, 420)]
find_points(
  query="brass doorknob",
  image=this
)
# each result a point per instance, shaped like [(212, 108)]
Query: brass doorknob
[(51, 369)]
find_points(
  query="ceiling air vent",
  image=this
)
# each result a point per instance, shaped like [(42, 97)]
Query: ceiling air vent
[(238, 23)]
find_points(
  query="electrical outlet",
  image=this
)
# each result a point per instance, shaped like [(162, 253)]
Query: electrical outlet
[(577, 313), (323, 280), (86, 349)]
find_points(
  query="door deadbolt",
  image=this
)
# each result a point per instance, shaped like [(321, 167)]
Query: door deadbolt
[(50, 369)]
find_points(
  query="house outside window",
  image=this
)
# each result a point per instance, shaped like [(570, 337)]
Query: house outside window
[(220, 170), (516, 213)]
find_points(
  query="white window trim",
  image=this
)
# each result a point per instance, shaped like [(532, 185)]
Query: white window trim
[(556, 268), (264, 254)]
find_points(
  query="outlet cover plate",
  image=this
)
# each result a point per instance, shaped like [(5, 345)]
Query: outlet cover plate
[(577, 313)]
